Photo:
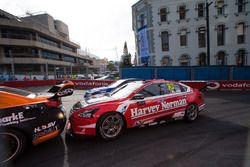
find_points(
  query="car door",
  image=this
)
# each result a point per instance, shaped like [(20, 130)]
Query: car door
[(142, 109), (175, 100)]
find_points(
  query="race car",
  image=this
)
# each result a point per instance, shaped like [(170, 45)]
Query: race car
[(106, 89), (138, 103), (26, 117)]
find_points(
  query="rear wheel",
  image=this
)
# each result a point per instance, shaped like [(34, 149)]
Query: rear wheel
[(191, 113), (110, 126), (12, 144)]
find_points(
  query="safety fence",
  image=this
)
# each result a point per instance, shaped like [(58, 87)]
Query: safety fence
[(188, 73)]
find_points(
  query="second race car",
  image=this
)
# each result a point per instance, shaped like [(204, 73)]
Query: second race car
[(134, 104), (26, 118), (107, 89)]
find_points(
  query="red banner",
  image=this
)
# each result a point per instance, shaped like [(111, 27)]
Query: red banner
[(219, 85), (230, 85), (88, 84), (82, 84)]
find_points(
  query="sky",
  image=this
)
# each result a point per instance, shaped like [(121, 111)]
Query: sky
[(99, 26)]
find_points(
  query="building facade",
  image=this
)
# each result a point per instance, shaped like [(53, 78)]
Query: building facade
[(39, 45), (173, 32)]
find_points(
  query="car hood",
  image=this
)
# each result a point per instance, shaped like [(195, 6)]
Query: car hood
[(97, 89), (98, 100)]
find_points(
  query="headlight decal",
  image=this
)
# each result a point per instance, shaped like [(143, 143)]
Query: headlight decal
[(88, 113)]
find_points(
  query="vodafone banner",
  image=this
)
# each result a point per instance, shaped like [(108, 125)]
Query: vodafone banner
[(88, 84), (81, 84), (219, 85), (230, 85)]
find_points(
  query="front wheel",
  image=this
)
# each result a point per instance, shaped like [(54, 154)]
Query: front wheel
[(12, 144), (110, 126), (191, 113)]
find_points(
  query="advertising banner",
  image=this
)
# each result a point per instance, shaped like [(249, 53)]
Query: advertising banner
[(81, 84), (88, 84), (219, 85), (230, 85), (143, 45)]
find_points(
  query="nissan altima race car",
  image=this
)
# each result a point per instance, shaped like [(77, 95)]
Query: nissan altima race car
[(138, 103), (106, 89), (26, 118)]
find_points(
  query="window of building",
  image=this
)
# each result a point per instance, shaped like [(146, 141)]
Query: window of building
[(50, 55), (182, 12), (68, 48), (17, 34), (202, 59), (27, 68), (221, 58), (165, 41), (241, 57), (201, 11), (241, 5), (20, 52), (142, 20), (48, 41), (220, 7), (241, 33), (202, 37), (166, 61), (69, 59), (163, 14), (184, 60), (183, 37), (220, 35)]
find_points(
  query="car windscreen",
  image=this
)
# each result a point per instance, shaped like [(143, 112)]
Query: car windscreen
[(126, 90), (18, 92)]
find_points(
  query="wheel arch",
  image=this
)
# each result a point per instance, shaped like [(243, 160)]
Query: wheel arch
[(24, 132)]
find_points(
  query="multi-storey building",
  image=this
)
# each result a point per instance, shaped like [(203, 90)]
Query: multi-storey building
[(173, 32), (39, 45)]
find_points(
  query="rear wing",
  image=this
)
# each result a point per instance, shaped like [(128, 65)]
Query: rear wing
[(62, 89)]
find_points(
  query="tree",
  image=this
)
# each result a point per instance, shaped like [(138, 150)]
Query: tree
[(111, 66), (126, 57)]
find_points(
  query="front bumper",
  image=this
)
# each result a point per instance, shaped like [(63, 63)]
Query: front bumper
[(81, 126)]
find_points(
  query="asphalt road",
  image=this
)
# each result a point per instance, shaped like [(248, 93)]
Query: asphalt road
[(219, 138)]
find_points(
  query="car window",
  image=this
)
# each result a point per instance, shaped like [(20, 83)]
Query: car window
[(174, 88), (151, 90)]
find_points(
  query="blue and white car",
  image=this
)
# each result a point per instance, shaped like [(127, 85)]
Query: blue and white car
[(107, 89)]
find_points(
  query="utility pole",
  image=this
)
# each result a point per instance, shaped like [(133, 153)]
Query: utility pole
[(208, 33), (12, 63)]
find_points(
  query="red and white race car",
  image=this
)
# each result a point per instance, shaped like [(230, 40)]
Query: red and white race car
[(137, 103)]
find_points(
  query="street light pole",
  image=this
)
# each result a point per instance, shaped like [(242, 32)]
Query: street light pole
[(208, 34)]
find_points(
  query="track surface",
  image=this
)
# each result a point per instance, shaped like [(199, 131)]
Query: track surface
[(219, 138)]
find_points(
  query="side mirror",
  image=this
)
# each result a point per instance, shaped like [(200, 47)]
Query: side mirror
[(138, 97)]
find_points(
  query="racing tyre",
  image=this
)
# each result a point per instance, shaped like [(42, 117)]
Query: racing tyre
[(110, 126), (191, 113), (12, 144)]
